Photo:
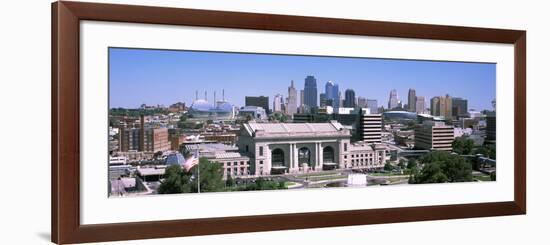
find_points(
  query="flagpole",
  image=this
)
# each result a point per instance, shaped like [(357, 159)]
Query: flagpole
[(198, 172)]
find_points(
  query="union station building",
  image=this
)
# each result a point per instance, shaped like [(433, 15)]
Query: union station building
[(279, 148)]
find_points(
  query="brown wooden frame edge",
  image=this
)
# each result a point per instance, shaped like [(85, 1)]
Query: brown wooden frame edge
[(65, 171)]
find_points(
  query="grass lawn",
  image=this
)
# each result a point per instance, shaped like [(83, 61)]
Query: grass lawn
[(331, 177)]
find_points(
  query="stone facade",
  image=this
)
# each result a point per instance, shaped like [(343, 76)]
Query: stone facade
[(279, 148)]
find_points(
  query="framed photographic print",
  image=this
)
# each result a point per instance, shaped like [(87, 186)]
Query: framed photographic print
[(177, 122)]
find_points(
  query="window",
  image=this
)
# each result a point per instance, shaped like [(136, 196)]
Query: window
[(261, 150), (261, 162), (246, 148), (235, 163), (242, 162), (345, 146)]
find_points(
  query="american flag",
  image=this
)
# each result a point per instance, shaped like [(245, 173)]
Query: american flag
[(191, 161)]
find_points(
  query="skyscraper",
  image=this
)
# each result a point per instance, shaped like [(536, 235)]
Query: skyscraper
[(349, 101), (310, 92), (394, 100), (372, 105), (441, 106), (260, 101), (332, 93), (323, 100), (301, 97), (361, 102), (447, 106), (420, 105), (278, 103), (412, 100), (292, 104), (434, 106), (460, 107)]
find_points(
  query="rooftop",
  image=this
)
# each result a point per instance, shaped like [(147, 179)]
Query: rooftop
[(151, 171), (225, 155), (332, 128)]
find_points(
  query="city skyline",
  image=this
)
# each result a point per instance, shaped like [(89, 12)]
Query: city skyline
[(142, 76)]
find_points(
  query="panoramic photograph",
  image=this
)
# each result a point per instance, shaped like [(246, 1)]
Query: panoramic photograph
[(183, 121)]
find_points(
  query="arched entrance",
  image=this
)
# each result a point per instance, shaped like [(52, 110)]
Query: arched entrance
[(304, 157), (329, 161), (328, 155), (278, 161)]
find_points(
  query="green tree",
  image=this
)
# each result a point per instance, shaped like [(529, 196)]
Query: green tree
[(262, 184), (412, 164), (175, 181), (388, 166), (463, 146), (487, 151), (278, 117), (401, 164), (431, 173), (441, 166), (229, 182), (211, 176)]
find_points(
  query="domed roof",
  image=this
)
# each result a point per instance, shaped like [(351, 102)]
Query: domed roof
[(224, 106), (201, 105)]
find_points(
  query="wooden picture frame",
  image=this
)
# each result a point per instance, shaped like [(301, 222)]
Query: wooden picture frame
[(65, 170)]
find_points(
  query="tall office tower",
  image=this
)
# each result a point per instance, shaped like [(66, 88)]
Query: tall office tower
[(323, 100), (460, 107), (442, 106), (447, 106), (361, 102), (394, 100), (373, 106), (301, 97), (420, 104), (370, 127), (310, 92), (434, 106), (432, 135), (259, 101), (292, 104), (349, 101), (333, 93), (491, 129), (278, 103), (412, 100)]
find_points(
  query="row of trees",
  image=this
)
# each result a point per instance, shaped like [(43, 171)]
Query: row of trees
[(177, 180), (466, 146), (440, 167)]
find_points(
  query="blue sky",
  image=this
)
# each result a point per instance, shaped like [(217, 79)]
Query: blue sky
[(138, 76)]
